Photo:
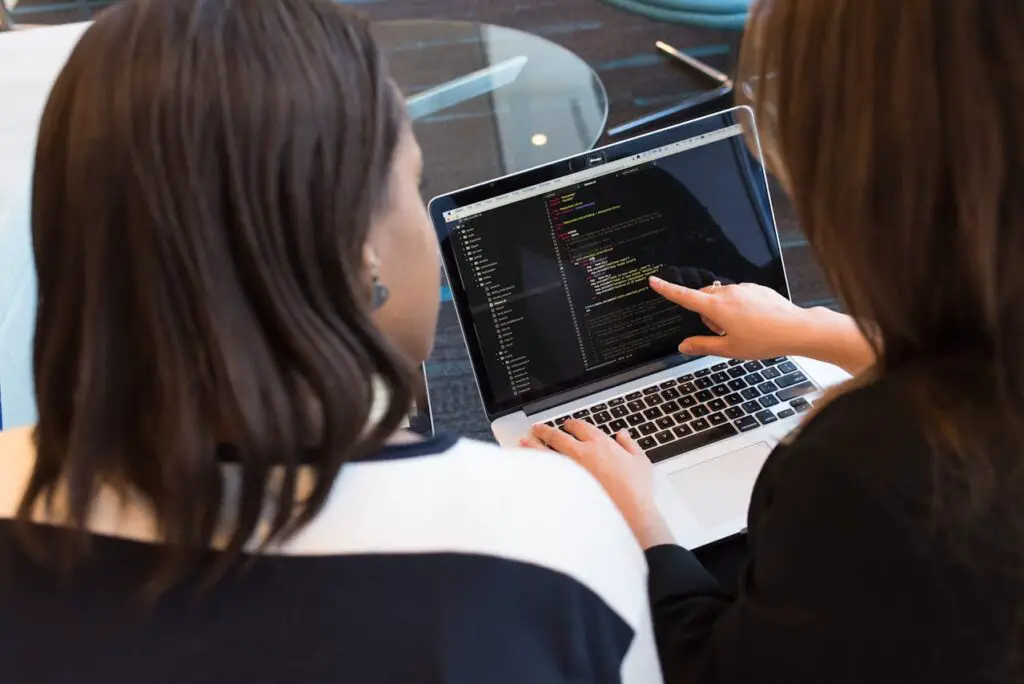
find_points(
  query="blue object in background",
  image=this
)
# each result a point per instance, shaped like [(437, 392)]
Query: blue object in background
[(713, 14)]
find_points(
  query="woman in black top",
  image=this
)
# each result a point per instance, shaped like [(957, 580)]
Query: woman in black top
[(886, 537)]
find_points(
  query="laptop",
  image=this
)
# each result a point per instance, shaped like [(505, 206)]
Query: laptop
[(549, 268)]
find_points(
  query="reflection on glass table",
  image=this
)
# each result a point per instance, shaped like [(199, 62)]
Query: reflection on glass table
[(487, 101)]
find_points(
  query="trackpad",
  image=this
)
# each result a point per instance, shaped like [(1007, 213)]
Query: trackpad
[(717, 491)]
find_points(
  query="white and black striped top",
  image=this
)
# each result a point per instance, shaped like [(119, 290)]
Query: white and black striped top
[(443, 561)]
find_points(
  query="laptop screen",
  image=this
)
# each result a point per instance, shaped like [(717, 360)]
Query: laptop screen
[(551, 279)]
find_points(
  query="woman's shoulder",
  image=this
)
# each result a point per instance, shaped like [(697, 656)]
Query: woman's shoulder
[(477, 498)]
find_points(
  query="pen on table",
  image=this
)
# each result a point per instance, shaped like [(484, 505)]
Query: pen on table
[(694, 63)]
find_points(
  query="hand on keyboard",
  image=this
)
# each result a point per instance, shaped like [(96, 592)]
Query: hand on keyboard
[(621, 467)]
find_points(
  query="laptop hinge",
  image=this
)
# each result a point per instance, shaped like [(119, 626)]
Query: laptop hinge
[(605, 383)]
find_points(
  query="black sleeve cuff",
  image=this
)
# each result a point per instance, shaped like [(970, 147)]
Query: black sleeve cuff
[(673, 571)]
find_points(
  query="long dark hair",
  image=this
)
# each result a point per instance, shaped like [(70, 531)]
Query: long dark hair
[(205, 180)]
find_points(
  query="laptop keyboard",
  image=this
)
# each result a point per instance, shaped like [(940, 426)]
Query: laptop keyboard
[(694, 410)]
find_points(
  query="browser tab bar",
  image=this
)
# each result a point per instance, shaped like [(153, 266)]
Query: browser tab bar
[(599, 168)]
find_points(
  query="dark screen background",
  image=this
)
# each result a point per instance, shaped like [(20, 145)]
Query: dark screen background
[(556, 284)]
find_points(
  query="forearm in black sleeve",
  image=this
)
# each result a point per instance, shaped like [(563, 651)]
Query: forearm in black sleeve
[(686, 601)]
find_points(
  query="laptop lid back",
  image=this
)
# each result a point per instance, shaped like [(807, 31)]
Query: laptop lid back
[(549, 267)]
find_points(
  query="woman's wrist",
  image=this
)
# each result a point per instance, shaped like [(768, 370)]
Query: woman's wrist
[(833, 338), (650, 528)]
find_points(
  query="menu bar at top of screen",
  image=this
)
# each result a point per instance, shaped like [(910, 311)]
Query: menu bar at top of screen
[(593, 172)]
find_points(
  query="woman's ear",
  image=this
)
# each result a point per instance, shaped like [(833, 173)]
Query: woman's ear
[(380, 292)]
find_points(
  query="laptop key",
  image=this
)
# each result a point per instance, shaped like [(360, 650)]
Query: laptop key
[(665, 422), (786, 413), (634, 433), (737, 372), (633, 395), (551, 423), (770, 373), (747, 423), (800, 405), (605, 429), (734, 362), (750, 394), (683, 416), (733, 399), (669, 407), (560, 421), (787, 367), (766, 417), (700, 411), (652, 413), (653, 400), (668, 383), (767, 387), (636, 406), (720, 377), (687, 401), (599, 407), (702, 373), (716, 404), (647, 443), (704, 383), (635, 418), (617, 401), (795, 391), (717, 419), (650, 390), (753, 366), (664, 437), (704, 395), (791, 379), (580, 414), (690, 442), (720, 390), (772, 362), (619, 411), (735, 412), (648, 429), (720, 366), (687, 388), (751, 407), (737, 384), (617, 425), (768, 401), (682, 430), (700, 424), (754, 379), (671, 393), (686, 378), (601, 417)]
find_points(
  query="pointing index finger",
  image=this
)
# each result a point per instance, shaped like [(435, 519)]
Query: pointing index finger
[(694, 300)]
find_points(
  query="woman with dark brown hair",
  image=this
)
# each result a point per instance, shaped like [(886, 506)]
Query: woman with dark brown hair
[(886, 537), (237, 282)]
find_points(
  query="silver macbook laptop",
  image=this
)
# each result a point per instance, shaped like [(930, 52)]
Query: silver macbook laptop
[(548, 271)]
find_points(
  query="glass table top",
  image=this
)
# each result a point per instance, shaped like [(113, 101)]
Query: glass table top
[(487, 100)]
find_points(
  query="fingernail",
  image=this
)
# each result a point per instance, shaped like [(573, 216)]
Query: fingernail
[(524, 442), (655, 280), (685, 347)]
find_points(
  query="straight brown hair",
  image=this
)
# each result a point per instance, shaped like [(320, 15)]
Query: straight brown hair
[(205, 180), (896, 128)]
